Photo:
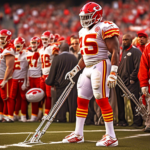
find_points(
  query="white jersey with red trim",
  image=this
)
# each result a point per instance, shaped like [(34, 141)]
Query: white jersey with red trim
[(6, 51), (34, 61), (46, 56), (92, 44), (20, 66)]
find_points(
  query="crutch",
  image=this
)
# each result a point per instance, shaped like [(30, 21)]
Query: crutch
[(140, 108), (47, 120)]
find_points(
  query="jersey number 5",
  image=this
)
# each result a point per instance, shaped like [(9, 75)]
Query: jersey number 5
[(84, 44)]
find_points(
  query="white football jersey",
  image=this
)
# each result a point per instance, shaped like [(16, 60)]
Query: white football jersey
[(46, 59), (34, 61), (92, 44), (20, 66), (7, 51)]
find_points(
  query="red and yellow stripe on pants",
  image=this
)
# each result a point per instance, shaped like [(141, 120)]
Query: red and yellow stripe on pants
[(82, 109), (108, 117), (104, 79), (106, 109), (81, 112)]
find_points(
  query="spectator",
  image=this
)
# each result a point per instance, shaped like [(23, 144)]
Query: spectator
[(74, 48), (144, 79), (60, 66), (142, 40), (128, 70)]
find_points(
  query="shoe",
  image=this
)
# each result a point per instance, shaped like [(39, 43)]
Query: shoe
[(7, 120), (147, 129), (124, 124), (135, 125), (73, 138), (107, 141), (16, 118), (23, 118)]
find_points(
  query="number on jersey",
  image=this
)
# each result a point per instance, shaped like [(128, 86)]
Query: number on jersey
[(17, 65), (84, 44), (45, 61), (32, 62)]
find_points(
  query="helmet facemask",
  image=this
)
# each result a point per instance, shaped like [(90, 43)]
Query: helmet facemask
[(87, 19), (45, 41), (18, 47), (3, 40), (34, 45)]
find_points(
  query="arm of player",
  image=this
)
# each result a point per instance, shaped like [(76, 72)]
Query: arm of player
[(76, 69), (10, 59), (113, 47)]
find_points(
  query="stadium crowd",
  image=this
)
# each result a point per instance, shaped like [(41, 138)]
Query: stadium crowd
[(29, 23)]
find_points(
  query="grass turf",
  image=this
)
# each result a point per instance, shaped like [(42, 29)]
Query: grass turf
[(136, 143)]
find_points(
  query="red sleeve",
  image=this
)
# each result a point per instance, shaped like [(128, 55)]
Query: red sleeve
[(144, 68)]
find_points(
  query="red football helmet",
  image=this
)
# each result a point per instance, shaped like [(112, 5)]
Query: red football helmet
[(52, 38), (5, 37), (46, 38), (19, 43), (35, 95), (91, 13), (35, 43), (56, 37)]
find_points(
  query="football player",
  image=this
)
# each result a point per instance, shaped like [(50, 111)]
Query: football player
[(34, 71), (96, 38), (18, 88), (46, 54), (7, 58)]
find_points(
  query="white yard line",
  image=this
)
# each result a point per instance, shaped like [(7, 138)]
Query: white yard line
[(123, 130)]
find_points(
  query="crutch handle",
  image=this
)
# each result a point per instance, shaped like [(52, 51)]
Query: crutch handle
[(71, 80)]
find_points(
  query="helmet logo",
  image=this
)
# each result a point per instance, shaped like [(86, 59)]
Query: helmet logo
[(95, 8), (8, 32)]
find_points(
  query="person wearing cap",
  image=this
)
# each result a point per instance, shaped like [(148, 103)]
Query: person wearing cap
[(142, 40)]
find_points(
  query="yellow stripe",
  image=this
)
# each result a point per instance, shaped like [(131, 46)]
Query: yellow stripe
[(104, 78), (81, 113), (107, 114), (34, 115), (111, 31), (86, 110), (108, 120), (7, 89), (81, 116), (108, 36)]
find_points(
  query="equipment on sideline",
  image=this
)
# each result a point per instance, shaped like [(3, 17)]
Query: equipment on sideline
[(35, 95), (47, 120), (140, 108)]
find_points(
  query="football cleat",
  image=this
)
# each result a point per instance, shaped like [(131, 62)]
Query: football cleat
[(107, 141), (73, 138)]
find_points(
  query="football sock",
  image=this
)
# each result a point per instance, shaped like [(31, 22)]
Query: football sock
[(35, 108), (81, 115), (47, 105), (24, 107), (107, 114), (110, 129), (1, 106), (11, 107)]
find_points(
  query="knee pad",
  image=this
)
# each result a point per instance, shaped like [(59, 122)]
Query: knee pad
[(96, 79)]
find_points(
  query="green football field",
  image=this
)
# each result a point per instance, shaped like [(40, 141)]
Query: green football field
[(128, 137)]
